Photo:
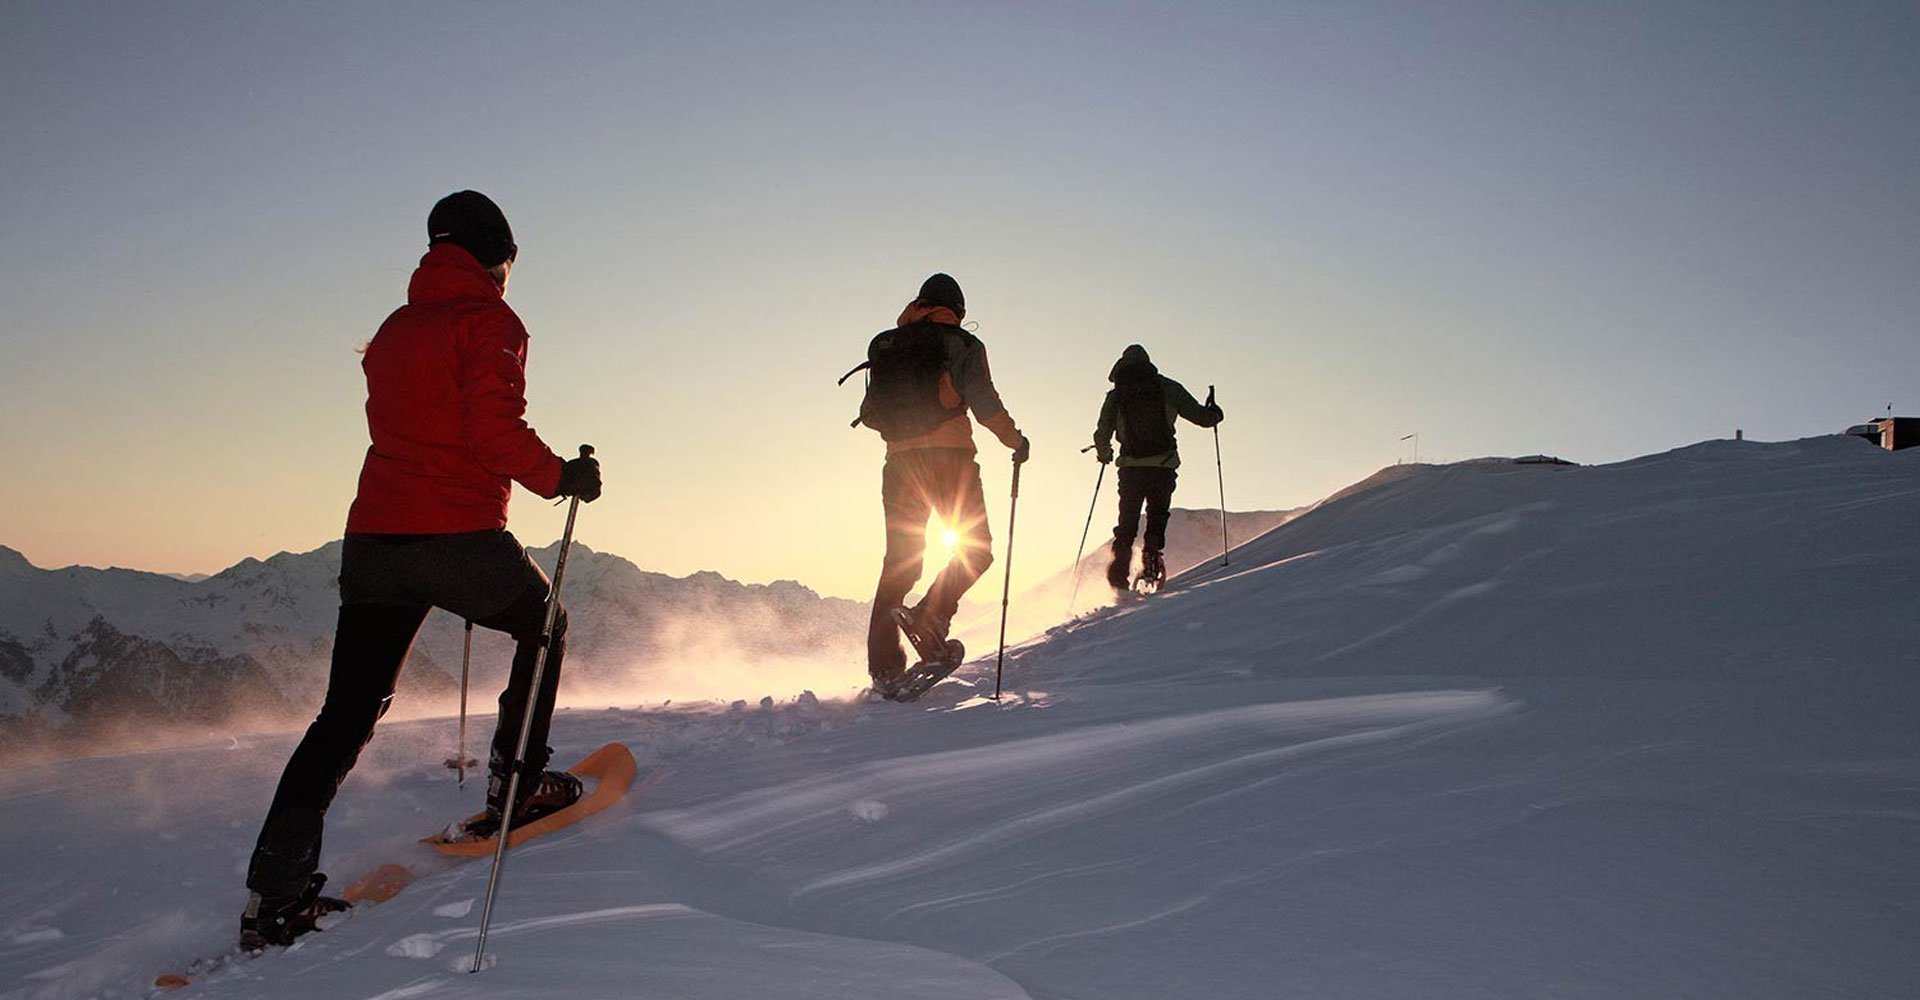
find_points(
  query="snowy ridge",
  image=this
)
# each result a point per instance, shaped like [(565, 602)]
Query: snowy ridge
[(1632, 730), (1193, 537)]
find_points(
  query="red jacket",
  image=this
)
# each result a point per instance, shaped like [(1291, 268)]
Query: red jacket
[(446, 405)]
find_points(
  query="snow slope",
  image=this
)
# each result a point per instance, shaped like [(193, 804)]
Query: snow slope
[(1193, 537), (1466, 731)]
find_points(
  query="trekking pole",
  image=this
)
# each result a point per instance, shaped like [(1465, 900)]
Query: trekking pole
[(466, 663), (526, 725), (1074, 597), (1006, 585), (1221, 473)]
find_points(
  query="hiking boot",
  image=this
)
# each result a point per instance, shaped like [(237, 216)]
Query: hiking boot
[(886, 683), (278, 920), (555, 791), (931, 625), (1117, 571), (1153, 569)]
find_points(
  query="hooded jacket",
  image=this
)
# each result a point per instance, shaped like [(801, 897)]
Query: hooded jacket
[(967, 380), (1134, 366), (446, 408)]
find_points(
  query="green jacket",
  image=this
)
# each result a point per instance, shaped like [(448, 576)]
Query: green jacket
[(1133, 366)]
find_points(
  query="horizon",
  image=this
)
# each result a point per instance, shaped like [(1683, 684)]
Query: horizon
[(1579, 232), (1038, 576)]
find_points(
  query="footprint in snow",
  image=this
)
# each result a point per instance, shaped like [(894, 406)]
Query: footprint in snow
[(868, 811), (416, 946)]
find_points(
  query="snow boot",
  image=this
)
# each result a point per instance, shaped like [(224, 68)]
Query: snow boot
[(1117, 570), (887, 683), (555, 791), (932, 626), (274, 920), (1153, 571)]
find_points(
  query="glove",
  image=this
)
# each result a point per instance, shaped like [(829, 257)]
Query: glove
[(1104, 453), (1214, 411), (1020, 454), (580, 477)]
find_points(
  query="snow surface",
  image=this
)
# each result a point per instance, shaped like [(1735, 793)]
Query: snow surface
[(1465, 731)]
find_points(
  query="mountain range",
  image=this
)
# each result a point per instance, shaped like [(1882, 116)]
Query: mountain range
[(86, 652)]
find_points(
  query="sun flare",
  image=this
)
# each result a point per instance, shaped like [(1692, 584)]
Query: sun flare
[(942, 541)]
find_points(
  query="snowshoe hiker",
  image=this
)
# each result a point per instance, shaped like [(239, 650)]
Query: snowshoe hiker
[(924, 375), (1141, 408), (446, 405)]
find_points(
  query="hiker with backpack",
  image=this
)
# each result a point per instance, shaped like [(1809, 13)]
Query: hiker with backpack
[(1141, 409), (446, 405), (924, 375)]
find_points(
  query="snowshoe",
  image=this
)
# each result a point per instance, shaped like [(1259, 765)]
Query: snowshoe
[(939, 655), (555, 791), (921, 677), (279, 920)]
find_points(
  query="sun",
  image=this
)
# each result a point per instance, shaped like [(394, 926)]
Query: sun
[(941, 543)]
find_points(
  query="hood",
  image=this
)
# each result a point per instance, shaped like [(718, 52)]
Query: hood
[(448, 272), (922, 311), (1133, 366)]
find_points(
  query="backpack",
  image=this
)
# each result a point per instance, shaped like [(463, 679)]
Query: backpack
[(903, 367), (1145, 429)]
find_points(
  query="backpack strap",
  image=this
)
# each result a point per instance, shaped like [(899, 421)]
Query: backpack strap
[(855, 370)]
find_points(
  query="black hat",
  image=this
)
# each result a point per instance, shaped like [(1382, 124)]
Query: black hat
[(471, 221), (942, 290)]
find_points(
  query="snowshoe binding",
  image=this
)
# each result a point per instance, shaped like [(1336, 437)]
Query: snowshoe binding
[(279, 920), (939, 655), (555, 791)]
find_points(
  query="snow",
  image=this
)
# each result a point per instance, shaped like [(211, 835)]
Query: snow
[(1462, 731)]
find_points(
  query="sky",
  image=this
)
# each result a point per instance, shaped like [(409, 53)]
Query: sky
[(1595, 231)]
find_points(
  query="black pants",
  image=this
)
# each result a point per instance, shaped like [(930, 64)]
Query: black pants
[(388, 583), (1153, 487), (914, 484)]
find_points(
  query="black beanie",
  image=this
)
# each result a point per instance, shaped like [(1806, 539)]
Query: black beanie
[(471, 221), (942, 290)]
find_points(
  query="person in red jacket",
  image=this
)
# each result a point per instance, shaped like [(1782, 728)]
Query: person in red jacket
[(446, 405)]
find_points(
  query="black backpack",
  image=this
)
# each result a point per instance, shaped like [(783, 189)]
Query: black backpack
[(1145, 429), (903, 369)]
